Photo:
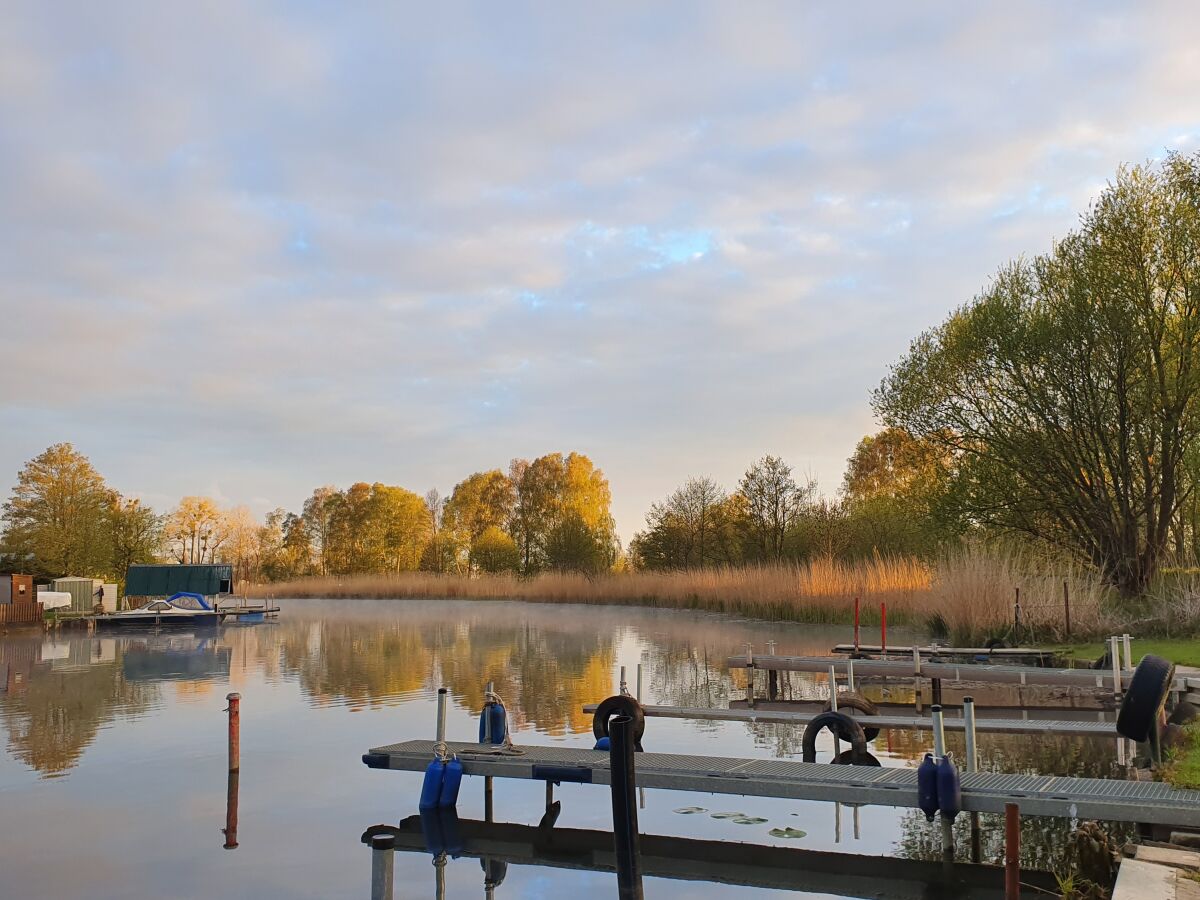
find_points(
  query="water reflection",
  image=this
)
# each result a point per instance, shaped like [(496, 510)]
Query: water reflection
[(322, 661)]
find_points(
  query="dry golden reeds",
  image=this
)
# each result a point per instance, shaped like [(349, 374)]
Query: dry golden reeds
[(967, 595)]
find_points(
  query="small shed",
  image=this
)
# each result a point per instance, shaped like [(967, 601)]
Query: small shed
[(85, 592), (18, 600), (163, 581)]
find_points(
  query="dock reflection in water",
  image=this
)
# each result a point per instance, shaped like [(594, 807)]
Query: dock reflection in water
[(114, 741)]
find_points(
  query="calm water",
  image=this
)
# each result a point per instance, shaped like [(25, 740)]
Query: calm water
[(113, 783)]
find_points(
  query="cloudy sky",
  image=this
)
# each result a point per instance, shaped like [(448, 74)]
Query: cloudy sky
[(247, 249)]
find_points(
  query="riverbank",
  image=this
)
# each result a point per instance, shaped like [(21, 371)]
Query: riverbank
[(966, 597)]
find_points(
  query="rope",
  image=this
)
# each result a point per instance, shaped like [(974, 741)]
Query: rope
[(507, 748)]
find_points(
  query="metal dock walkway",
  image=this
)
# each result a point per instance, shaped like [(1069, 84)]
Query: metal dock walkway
[(1037, 795), (903, 723), (904, 668)]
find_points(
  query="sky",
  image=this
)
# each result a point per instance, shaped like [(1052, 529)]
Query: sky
[(250, 249)]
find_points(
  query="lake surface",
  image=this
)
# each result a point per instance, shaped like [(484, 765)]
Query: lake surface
[(113, 780)]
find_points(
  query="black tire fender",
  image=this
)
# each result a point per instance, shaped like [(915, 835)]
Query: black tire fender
[(848, 758), (1145, 698), (619, 705), (858, 702), (843, 727)]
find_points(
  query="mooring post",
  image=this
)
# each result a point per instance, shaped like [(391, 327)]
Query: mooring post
[(916, 661), (1067, 609), (1115, 653), (1128, 652), (850, 678), (837, 745), (383, 854), (936, 689), (489, 698), (235, 731), (1012, 851), (441, 720), (638, 696), (939, 733), (969, 722), (855, 625), (622, 688), (623, 780)]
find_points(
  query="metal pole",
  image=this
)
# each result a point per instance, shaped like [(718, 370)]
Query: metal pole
[(939, 733), (383, 856), (855, 626), (638, 695), (750, 675), (936, 690), (624, 806), (1115, 652), (837, 745), (235, 731), (1128, 652), (1012, 851), (1017, 617), (917, 661), (621, 688), (231, 811), (850, 678), (441, 716), (883, 629), (969, 721)]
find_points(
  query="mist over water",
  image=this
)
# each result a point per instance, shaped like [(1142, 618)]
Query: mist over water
[(113, 777)]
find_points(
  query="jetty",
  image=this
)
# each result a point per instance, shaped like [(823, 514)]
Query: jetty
[(899, 723), (1038, 795)]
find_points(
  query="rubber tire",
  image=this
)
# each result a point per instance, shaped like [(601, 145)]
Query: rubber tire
[(847, 758), (619, 705), (863, 705), (1145, 697), (844, 727), (1185, 711)]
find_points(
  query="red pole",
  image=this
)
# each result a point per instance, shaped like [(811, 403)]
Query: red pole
[(1012, 851), (235, 732), (855, 624), (883, 629)]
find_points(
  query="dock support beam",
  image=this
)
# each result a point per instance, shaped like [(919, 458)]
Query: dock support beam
[(624, 807)]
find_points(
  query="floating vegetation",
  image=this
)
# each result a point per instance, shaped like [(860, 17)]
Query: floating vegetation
[(728, 815), (748, 820), (788, 832), (690, 810)]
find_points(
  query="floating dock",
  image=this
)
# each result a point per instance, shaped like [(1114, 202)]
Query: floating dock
[(946, 671), (1030, 653), (1037, 795), (901, 723), (721, 862)]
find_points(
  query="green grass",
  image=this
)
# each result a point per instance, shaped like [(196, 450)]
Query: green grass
[(1183, 770), (1181, 651)]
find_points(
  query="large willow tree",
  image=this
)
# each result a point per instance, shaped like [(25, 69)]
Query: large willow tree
[(1068, 391)]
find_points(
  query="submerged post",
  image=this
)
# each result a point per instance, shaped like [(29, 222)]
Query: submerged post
[(969, 721), (624, 806), (235, 731), (1012, 851), (383, 852)]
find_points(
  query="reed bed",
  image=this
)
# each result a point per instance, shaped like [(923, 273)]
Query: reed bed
[(967, 595)]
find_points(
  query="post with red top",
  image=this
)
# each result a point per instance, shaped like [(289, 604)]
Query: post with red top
[(883, 629), (1012, 851), (235, 729)]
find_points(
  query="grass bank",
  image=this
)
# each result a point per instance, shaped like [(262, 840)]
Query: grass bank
[(1181, 651), (967, 596)]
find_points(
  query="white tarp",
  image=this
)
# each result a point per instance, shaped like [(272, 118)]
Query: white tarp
[(54, 599)]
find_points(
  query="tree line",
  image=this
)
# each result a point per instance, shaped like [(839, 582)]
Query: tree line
[(1060, 407)]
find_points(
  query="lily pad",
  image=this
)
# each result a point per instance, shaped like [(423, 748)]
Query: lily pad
[(728, 815), (788, 833), (690, 810), (748, 820)]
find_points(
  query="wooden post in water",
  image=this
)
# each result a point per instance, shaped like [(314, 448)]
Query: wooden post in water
[(1012, 851), (235, 731)]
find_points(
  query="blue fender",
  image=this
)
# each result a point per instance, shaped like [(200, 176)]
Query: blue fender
[(927, 786)]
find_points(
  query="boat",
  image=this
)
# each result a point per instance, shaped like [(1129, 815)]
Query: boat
[(180, 609)]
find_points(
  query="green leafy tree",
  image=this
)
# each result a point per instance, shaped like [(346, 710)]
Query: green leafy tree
[(772, 501), (136, 534), (697, 525), (552, 491), (495, 551), (1068, 392), (56, 522)]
